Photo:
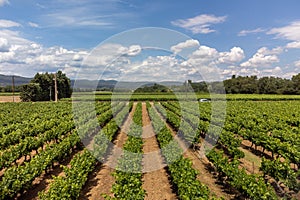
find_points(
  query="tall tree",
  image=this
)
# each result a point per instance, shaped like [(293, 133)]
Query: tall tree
[(45, 83)]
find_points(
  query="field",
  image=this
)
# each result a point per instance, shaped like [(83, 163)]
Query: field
[(8, 98), (72, 151), (108, 96)]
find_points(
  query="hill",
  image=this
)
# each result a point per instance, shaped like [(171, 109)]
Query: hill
[(6, 80)]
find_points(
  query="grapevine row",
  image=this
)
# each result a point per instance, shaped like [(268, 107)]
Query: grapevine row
[(183, 176)]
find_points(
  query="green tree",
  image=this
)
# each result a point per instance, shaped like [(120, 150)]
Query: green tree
[(30, 92), (45, 83), (242, 85), (296, 83)]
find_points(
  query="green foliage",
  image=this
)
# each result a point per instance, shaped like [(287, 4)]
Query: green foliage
[(281, 171), (69, 186), (42, 85), (18, 178), (128, 173), (30, 92), (264, 85), (252, 186), (183, 176), (153, 88)]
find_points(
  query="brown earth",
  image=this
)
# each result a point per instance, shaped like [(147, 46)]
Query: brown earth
[(155, 179), (203, 166), (251, 162), (42, 182), (101, 181), (9, 99)]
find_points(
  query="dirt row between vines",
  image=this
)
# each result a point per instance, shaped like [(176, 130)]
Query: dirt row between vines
[(203, 166), (101, 181), (4, 99), (155, 180), (42, 182)]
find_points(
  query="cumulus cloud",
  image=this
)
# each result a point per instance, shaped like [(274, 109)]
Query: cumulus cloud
[(109, 54), (24, 57), (263, 57), (8, 23), (260, 60), (297, 63), (204, 53), (265, 50), (202, 63), (4, 46), (134, 50), (277, 71), (79, 56), (235, 55), (293, 45), (199, 24), (183, 45), (254, 31)]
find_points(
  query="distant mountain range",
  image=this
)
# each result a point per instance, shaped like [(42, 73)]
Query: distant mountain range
[(113, 84), (6, 80)]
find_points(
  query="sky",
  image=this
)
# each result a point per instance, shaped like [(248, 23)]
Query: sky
[(111, 39)]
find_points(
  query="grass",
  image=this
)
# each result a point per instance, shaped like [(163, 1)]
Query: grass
[(107, 96), (9, 94)]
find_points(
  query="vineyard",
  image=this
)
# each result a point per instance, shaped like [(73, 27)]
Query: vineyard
[(150, 149)]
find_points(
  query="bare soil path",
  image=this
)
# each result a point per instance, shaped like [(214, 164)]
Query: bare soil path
[(101, 181), (9, 99), (42, 183), (155, 180), (203, 166), (251, 162)]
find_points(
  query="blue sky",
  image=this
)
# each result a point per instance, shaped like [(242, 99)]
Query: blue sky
[(233, 37)]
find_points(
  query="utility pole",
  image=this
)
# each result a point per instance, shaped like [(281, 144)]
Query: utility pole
[(55, 87), (186, 82), (50, 88), (13, 87)]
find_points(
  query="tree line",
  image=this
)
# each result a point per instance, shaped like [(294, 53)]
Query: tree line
[(251, 85), (236, 85)]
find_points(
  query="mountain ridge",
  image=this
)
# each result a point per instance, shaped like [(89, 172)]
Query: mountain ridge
[(6, 80)]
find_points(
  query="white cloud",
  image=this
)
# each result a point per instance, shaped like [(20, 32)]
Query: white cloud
[(3, 2), (260, 60), (79, 56), (4, 46), (81, 15), (246, 32), (293, 45), (7, 23), (266, 51), (12, 36), (109, 54), (297, 63), (34, 25), (235, 55), (289, 32), (277, 71), (183, 45), (205, 53), (20, 56), (200, 23), (263, 57), (134, 50), (6, 56)]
